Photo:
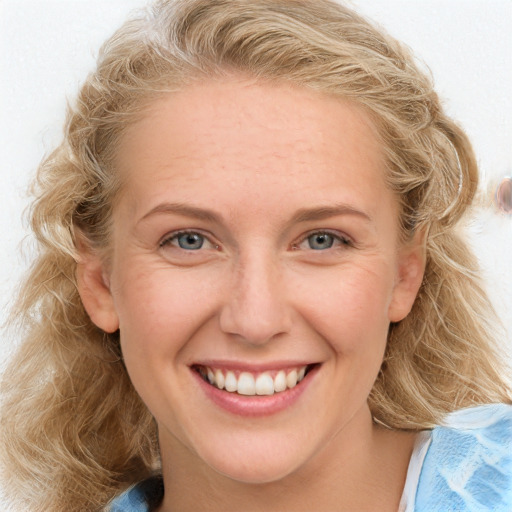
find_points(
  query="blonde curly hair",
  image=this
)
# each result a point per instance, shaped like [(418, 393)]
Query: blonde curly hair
[(73, 430)]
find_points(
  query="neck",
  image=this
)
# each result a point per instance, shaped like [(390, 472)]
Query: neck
[(364, 471)]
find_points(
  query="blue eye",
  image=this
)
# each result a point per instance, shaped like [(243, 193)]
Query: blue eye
[(323, 241), (320, 241), (189, 241)]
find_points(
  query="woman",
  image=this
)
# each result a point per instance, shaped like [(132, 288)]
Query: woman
[(251, 277)]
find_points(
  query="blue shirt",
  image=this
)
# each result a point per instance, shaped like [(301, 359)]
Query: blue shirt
[(143, 497), (463, 465)]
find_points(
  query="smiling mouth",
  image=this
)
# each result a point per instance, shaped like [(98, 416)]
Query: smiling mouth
[(253, 384)]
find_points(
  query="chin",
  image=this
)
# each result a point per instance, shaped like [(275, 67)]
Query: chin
[(263, 473), (250, 462)]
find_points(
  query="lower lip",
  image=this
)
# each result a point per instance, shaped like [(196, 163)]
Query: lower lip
[(259, 405)]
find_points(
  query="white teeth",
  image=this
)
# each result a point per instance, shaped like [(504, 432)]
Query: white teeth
[(280, 382), (230, 383), (264, 384), (219, 379), (249, 384), (291, 379), (246, 384)]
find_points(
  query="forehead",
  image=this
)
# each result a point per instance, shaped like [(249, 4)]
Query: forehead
[(251, 107), (234, 131)]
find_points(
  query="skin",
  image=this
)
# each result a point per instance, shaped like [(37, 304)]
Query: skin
[(261, 158)]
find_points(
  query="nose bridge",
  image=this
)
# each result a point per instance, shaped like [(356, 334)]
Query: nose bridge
[(256, 308)]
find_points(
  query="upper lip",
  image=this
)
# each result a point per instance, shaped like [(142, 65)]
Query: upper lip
[(253, 367)]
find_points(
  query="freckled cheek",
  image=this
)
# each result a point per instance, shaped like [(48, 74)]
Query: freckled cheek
[(349, 309), (162, 309)]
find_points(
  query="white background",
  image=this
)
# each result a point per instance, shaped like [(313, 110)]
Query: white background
[(48, 46)]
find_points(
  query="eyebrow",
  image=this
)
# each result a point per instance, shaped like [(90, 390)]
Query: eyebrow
[(185, 210), (302, 215), (324, 212)]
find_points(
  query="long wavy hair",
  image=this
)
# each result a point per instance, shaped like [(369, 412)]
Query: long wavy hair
[(74, 433)]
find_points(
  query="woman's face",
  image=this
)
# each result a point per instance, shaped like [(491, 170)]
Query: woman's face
[(254, 240)]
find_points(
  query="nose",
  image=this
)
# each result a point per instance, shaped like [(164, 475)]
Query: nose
[(256, 309)]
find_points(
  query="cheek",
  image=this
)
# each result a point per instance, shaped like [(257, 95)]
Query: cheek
[(349, 307), (159, 309)]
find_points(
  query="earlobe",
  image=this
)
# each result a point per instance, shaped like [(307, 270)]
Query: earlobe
[(94, 290), (411, 268)]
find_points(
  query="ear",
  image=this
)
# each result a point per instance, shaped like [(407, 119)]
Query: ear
[(410, 271), (94, 288)]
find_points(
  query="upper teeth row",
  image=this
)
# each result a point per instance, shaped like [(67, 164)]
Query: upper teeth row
[(262, 384)]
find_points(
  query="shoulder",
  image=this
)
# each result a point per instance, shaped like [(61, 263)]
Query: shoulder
[(143, 497), (468, 463)]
